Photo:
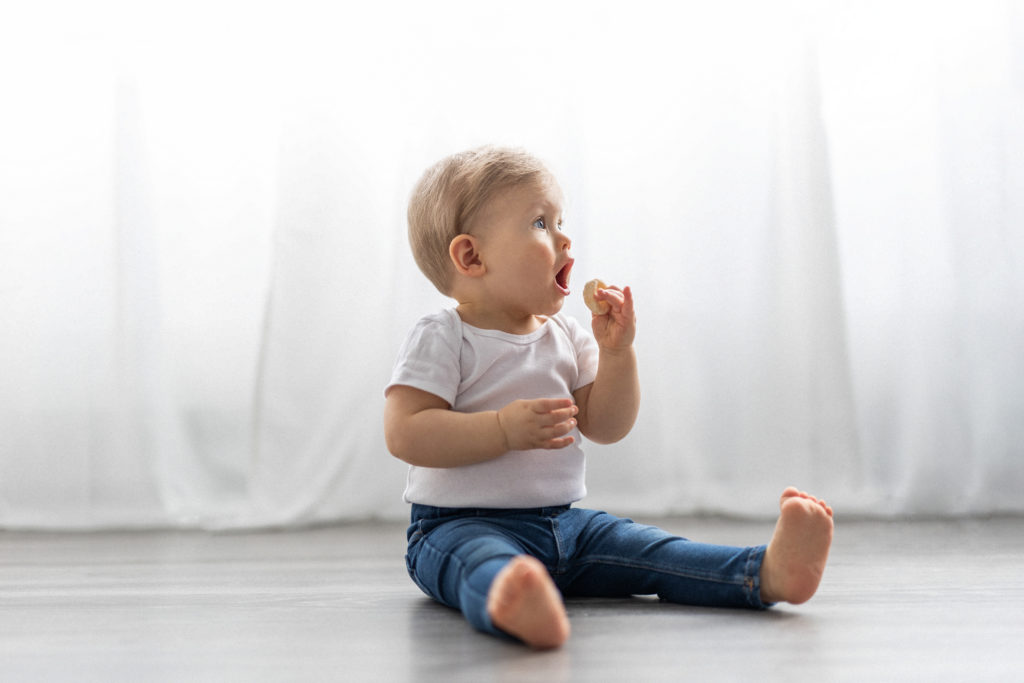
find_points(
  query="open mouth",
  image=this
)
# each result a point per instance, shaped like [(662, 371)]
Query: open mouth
[(562, 277)]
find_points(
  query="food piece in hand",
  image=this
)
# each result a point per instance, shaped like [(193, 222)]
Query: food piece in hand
[(598, 307)]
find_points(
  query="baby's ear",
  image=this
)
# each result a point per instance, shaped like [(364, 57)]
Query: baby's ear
[(465, 254)]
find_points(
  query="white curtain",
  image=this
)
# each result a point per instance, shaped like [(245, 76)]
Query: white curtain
[(204, 276)]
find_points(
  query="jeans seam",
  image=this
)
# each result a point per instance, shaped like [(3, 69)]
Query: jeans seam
[(559, 567), (616, 562), (752, 581)]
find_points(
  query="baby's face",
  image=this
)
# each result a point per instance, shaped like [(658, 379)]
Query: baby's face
[(524, 250)]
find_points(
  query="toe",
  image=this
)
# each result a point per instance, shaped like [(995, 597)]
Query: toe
[(790, 492)]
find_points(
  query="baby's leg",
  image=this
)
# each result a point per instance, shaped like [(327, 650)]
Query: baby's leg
[(616, 557), (796, 556), (524, 602), (478, 568)]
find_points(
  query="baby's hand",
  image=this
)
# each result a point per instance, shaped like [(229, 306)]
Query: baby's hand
[(538, 423), (616, 328)]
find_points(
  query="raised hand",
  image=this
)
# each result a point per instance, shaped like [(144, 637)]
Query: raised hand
[(616, 328)]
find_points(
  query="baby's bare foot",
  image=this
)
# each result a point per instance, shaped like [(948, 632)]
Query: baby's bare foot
[(796, 555), (524, 602)]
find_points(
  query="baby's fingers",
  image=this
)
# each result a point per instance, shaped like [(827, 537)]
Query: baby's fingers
[(562, 414), (627, 303), (557, 426), (611, 294), (562, 442), (620, 302), (548, 406)]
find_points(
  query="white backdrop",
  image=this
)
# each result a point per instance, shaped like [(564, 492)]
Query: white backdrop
[(204, 276)]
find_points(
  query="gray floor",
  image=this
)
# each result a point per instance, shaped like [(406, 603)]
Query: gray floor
[(900, 601)]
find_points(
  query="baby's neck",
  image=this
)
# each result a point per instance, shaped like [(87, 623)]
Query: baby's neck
[(498, 320)]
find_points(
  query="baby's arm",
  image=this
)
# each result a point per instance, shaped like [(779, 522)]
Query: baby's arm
[(609, 406), (422, 429)]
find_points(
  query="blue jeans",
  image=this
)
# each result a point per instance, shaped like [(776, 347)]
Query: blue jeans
[(455, 553)]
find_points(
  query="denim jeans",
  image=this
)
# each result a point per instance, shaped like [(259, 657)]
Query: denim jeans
[(455, 553)]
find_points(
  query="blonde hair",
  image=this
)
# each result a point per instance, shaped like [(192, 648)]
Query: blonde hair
[(451, 194)]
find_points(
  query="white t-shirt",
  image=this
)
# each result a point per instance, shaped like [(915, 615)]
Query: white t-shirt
[(476, 370)]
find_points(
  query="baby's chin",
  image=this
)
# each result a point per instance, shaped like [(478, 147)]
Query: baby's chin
[(556, 307)]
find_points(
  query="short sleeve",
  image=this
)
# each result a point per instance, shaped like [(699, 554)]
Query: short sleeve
[(586, 349), (429, 359)]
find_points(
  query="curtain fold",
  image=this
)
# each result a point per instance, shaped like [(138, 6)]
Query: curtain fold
[(204, 276)]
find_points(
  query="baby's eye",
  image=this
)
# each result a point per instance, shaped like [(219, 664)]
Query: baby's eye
[(540, 224)]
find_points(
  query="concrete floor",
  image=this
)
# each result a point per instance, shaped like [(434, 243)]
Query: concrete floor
[(923, 601)]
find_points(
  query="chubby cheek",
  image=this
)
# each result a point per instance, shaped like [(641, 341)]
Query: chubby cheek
[(543, 273), (542, 254)]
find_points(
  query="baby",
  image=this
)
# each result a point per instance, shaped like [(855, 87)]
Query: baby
[(487, 404)]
